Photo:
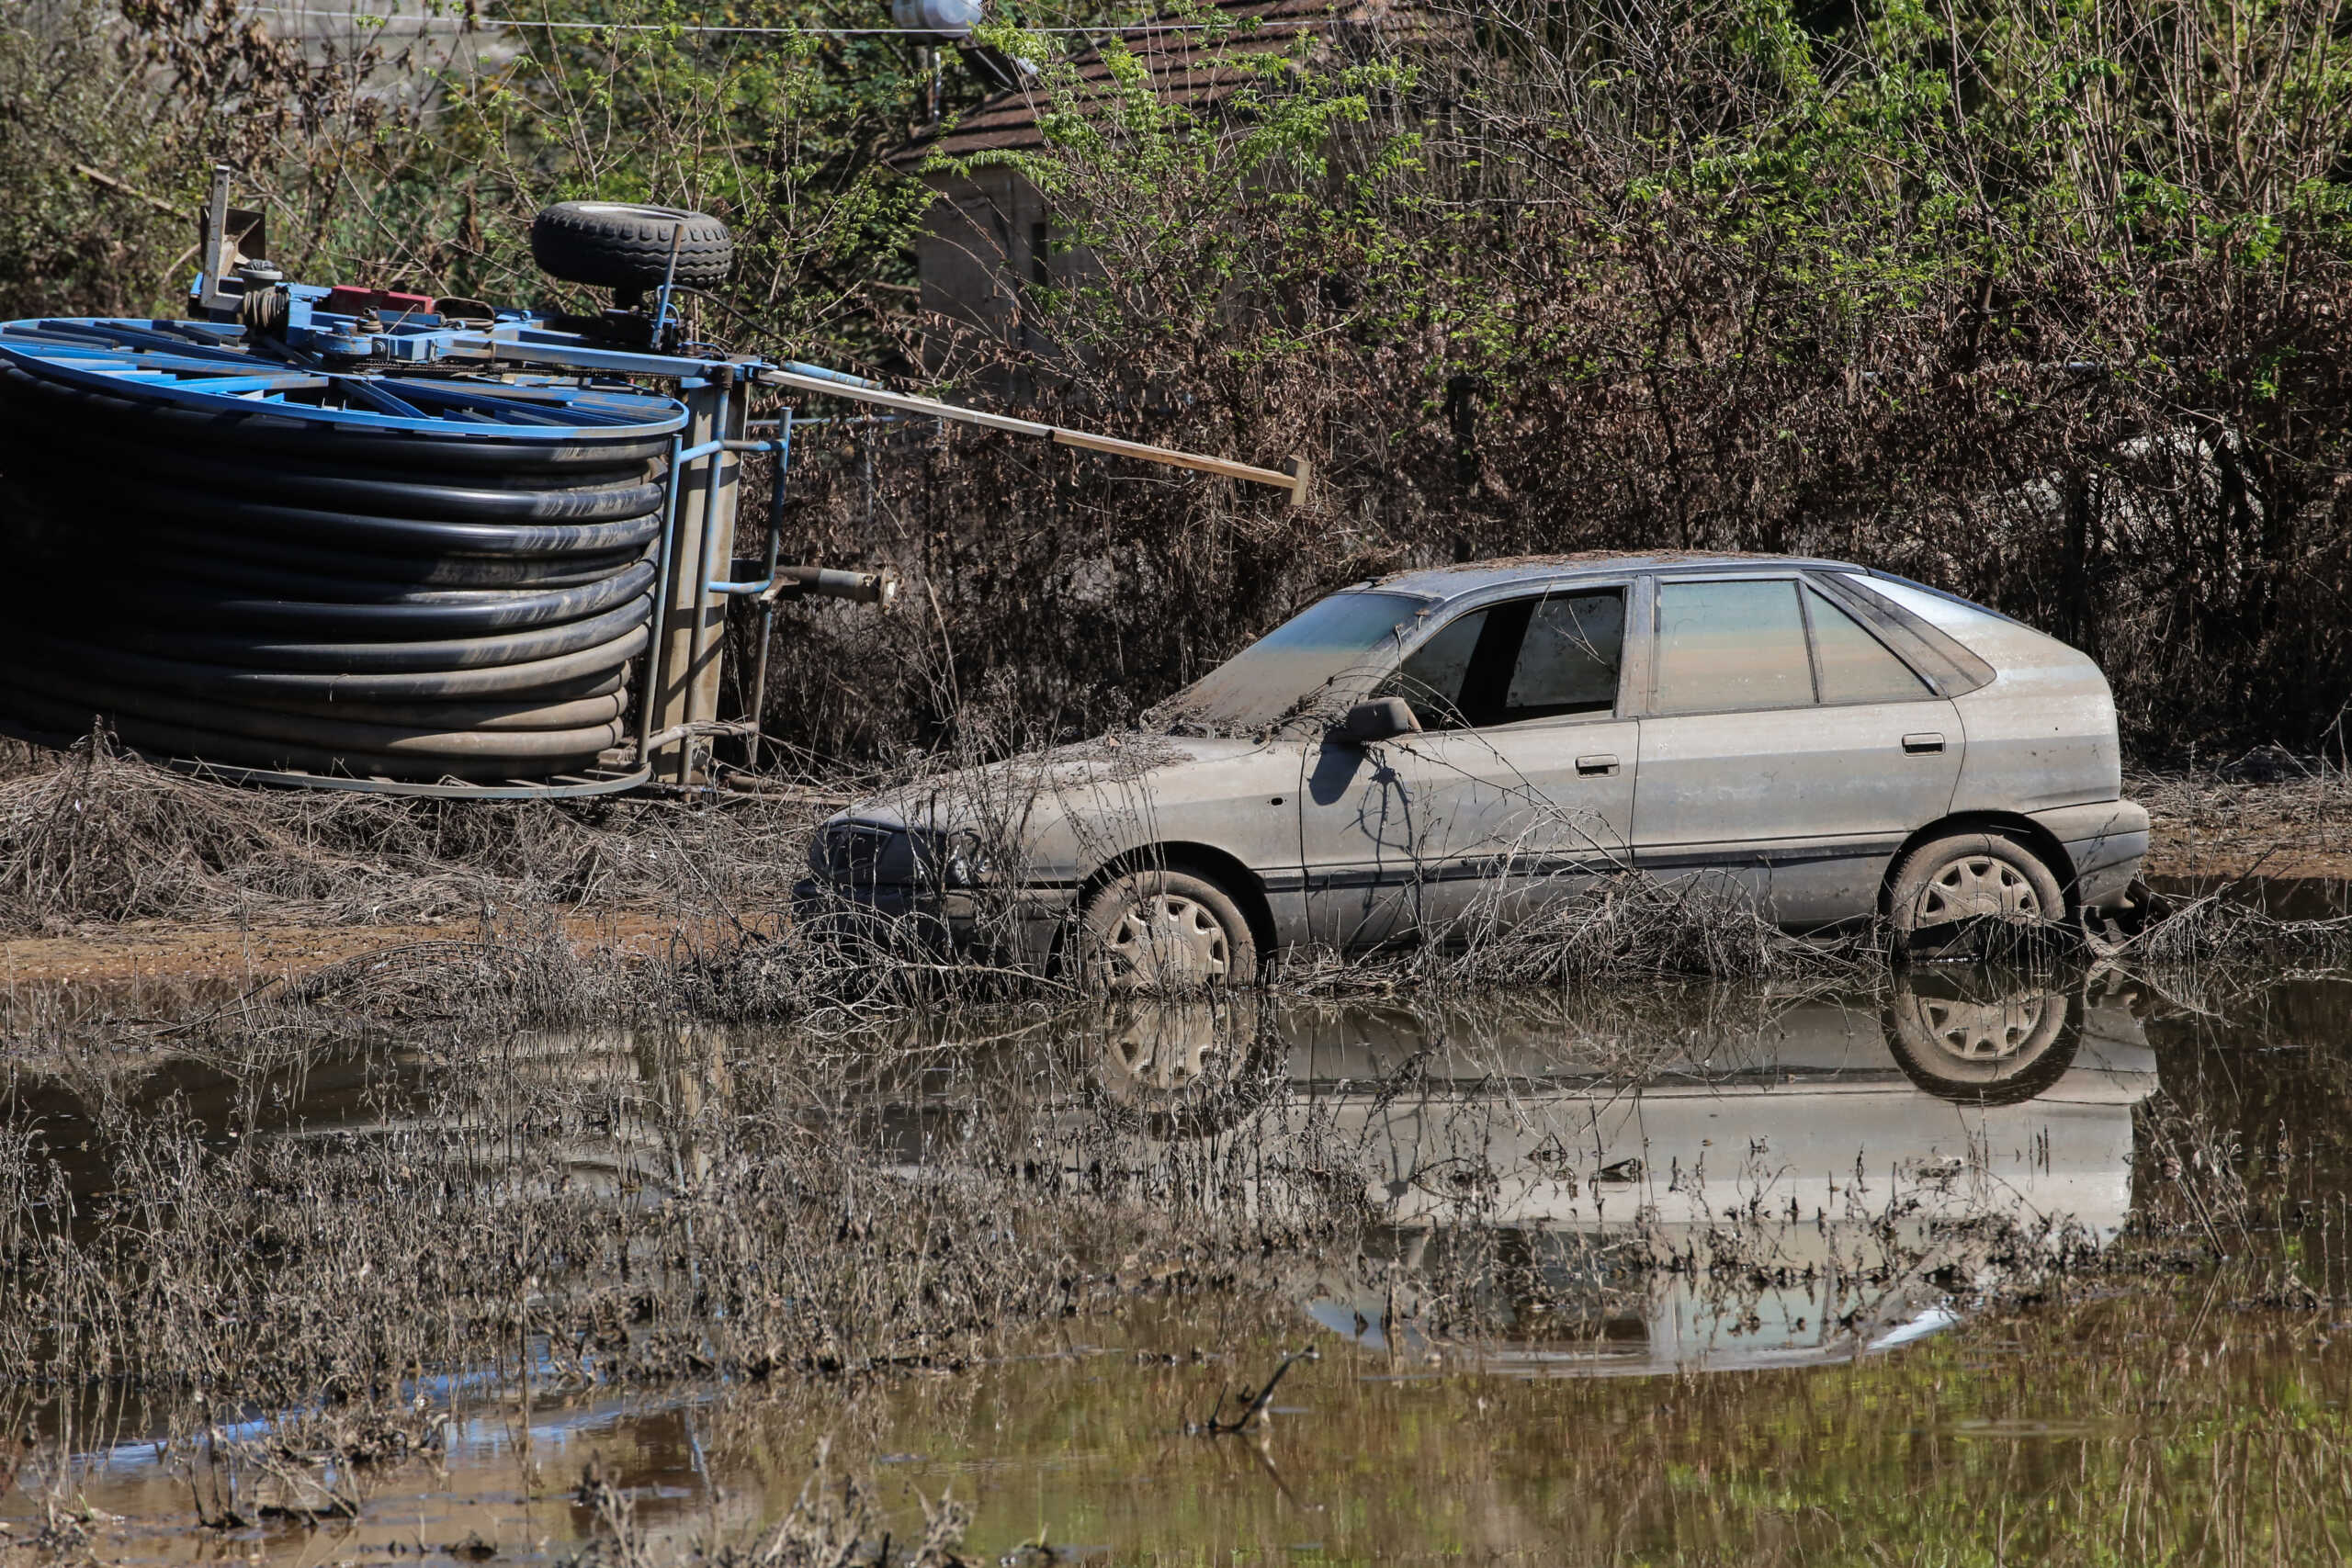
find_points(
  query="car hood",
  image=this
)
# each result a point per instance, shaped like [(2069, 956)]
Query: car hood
[(1108, 775)]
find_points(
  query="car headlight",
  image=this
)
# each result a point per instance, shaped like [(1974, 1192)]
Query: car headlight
[(861, 854)]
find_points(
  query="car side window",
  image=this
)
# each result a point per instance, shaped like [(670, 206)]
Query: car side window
[(1540, 658), (1852, 665), (1569, 659), (1431, 677), (1731, 646)]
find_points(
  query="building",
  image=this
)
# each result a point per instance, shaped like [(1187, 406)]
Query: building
[(989, 237)]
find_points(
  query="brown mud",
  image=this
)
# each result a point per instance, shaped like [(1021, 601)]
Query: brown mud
[(2205, 825), (185, 951)]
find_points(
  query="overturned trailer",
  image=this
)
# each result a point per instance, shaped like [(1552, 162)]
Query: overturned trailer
[(339, 536)]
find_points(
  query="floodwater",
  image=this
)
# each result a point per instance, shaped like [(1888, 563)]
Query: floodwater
[(1965, 1266)]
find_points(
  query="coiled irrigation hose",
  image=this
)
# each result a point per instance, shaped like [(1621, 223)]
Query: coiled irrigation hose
[(300, 581)]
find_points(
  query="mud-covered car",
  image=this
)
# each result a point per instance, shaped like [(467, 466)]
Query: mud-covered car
[(1451, 751)]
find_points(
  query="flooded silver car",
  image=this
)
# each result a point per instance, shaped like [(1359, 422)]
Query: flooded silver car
[(1451, 751)]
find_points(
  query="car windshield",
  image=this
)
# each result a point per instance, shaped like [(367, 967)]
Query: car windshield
[(1271, 677)]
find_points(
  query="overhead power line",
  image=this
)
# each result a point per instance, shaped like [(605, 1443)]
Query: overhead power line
[(463, 23)]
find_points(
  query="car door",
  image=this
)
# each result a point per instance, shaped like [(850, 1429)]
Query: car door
[(1783, 746), (1518, 789)]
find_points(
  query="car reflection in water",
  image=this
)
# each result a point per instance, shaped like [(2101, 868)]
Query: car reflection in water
[(1828, 1177)]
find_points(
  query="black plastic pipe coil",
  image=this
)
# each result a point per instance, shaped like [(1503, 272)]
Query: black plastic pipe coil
[(259, 590)]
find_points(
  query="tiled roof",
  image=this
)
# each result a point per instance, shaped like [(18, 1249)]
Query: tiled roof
[(1189, 65)]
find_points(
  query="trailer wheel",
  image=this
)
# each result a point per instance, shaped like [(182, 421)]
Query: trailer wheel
[(613, 244)]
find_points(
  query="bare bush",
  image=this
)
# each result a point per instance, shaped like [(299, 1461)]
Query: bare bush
[(95, 835)]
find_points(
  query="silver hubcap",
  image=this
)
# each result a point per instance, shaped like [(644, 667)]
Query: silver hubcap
[(1971, 886), (1169, 1051), (1165, 941), (1983, 1032)]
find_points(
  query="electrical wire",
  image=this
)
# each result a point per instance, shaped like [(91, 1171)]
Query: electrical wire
[(465, 23)]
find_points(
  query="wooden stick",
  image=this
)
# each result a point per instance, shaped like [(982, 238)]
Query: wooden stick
[(1296, 480)]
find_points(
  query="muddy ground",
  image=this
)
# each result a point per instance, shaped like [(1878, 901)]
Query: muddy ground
[(2209, 828)]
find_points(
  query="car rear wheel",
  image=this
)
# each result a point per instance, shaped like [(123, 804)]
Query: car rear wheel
[(1988, 1037), (1950, 884), (1166, 932)]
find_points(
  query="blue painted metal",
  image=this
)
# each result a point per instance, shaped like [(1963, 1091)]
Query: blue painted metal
[(138, 361), (782, 448)]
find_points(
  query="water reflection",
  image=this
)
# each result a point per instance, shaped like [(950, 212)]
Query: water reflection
[(1819, 1178), (1550, 1186)]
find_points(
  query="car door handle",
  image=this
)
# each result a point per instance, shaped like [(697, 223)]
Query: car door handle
[(1921, 744), (1600, 763)]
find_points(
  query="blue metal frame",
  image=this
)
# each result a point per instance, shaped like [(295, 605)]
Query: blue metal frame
[(529, 381)]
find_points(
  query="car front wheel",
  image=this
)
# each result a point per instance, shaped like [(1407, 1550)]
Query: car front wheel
[(1952, 883), (1166, 932)]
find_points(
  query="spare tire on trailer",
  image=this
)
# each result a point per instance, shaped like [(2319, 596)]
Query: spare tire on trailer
[(614, 245)]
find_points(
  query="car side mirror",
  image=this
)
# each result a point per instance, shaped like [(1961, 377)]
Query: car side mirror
[(1382, 718)]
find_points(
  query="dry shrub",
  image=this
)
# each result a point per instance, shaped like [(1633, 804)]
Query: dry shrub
[(1620, 928), (831, 1524), (2231, 925), (1545, 277), (96, 835)]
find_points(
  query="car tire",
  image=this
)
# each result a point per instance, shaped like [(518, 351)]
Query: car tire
[(1980, 1037), (616, 244), (1952, 883), (1167, 932), (1174, 1070)]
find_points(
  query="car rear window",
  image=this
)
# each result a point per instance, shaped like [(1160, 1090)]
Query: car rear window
[(1941, 611), (1731, 646), (1854, 666)]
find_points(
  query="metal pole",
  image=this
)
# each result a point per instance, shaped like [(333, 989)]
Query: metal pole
[(655, 671), (767, 603), (682, 584), (706, 631)]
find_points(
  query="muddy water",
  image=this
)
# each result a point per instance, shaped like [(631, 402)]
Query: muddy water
[(1963, 1267)]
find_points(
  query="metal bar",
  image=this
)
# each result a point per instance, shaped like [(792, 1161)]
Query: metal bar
[(794, 376), (767, 606), (654, 660), (826, 582), (212, 244), (710, 513), (842, 377), (782, 448), (694, 683)]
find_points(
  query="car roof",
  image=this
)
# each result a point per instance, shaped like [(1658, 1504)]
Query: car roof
[(1471, 577)]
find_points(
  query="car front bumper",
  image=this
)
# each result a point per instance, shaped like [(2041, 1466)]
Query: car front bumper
[(1022, 925)]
